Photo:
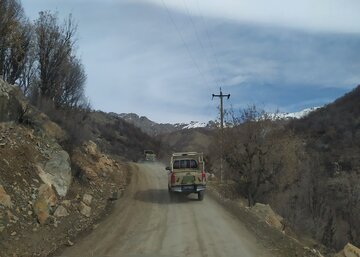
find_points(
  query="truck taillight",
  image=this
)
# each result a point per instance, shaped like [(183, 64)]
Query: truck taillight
[(203, 176), (173, 178)]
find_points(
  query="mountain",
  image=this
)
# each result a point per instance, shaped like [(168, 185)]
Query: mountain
[(154, 129), (329, 208)]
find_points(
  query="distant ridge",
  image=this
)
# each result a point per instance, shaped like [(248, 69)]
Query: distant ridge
[(153, 128)]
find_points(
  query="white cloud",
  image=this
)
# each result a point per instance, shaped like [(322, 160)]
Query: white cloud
[(136, 61), (323, 15)]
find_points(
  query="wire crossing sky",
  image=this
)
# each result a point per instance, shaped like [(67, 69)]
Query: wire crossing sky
[(164, 58)]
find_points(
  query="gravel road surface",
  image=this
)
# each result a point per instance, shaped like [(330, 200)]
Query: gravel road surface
[(146, 223)]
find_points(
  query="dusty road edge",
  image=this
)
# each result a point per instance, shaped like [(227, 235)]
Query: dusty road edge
[(278, 243), (97, 220)]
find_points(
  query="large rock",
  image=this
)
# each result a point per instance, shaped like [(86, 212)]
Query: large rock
[(349, 251), (10, 106), (5, 199), (45, 201), (264, 212), (61, 212), (87, 199), (84, 209), (57, 172)]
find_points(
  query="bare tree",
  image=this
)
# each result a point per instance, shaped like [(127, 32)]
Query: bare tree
[(258, 149), (54, 45), (73, 83), (15, 40), (29, 77)]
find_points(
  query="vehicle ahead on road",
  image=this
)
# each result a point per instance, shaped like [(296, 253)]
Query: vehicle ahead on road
[(149, 155), (187, 174)]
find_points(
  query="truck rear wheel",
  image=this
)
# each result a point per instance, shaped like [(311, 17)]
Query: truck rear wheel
[(201, 195)]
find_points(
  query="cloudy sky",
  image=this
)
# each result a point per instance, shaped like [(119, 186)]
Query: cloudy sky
[(164, 58)]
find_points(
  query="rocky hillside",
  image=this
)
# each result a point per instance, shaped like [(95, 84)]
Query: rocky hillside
[(52, 190), (322, 197), (333, 141), (317, 188), (116, 136)]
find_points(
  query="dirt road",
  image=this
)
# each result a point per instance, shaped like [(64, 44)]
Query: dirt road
[(146, 223)]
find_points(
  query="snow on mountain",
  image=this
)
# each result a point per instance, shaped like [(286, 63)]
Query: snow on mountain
[(152, 128), (195, 124), (296, 115)]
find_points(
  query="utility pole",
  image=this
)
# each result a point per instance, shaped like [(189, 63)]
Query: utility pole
[(221, 96)]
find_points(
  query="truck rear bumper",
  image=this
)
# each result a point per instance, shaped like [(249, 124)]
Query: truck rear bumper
[(188, 188)]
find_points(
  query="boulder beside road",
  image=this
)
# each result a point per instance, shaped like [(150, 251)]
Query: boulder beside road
[(57, 172)]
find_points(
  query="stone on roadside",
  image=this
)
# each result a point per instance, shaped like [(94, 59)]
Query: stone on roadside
[(85, 210), (264, 212), (87, 199), (61, 212), (57, 172), (66, 203), (69, 243)]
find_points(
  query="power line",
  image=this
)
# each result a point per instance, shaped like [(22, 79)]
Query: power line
[(183, 40), (199, 39), (211, 44)]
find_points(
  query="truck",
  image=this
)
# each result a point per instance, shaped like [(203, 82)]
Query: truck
[(186, 174), (149, 155)]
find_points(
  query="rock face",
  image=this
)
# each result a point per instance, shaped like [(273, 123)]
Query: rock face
[(57, 172), (96, 167), (5, 199), (10, 107)]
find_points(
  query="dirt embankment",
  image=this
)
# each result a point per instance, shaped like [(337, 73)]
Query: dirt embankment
[(39, 210), (47, 195)]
